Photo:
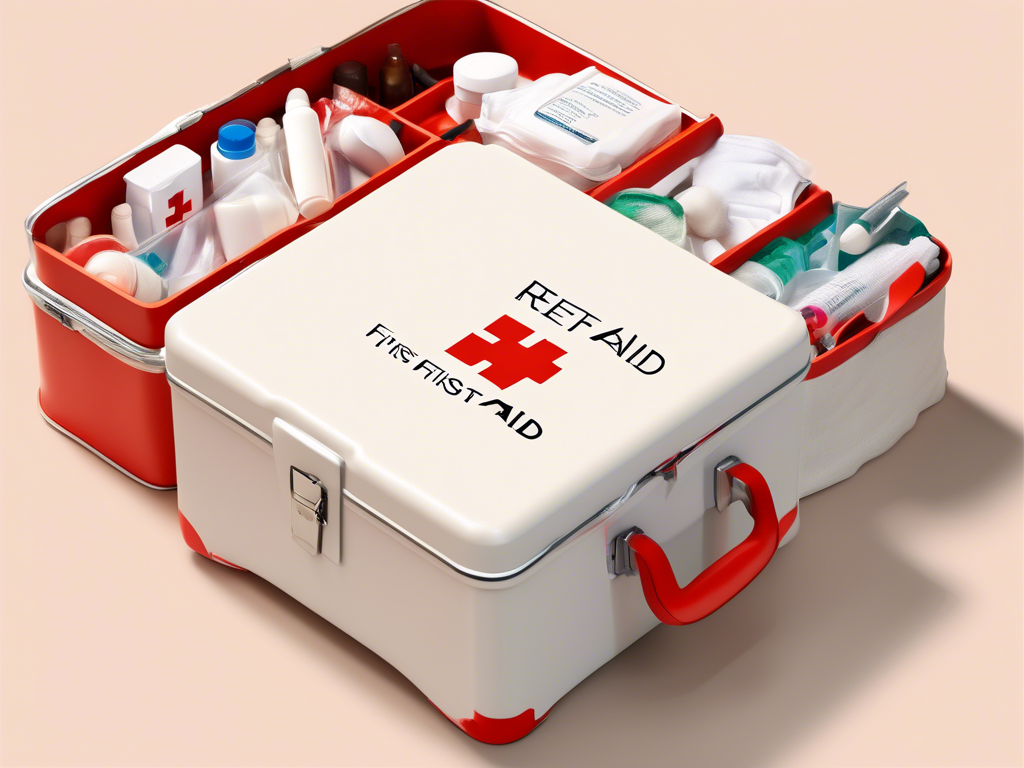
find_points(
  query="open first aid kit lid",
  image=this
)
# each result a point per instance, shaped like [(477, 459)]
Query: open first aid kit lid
[(493, 355)]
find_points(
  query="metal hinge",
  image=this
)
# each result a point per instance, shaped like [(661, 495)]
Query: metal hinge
[(307, 57), (308, 510)]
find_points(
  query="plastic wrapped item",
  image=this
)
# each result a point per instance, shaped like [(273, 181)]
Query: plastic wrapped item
[(773, 267), (583, 128), (898, 227), (246, 210), (252, 212), (734, 190), (368, 144), (346, 172), (865, 282), (874, 223)]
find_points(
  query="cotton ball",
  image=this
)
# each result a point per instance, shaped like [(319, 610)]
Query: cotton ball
[(707, 214)]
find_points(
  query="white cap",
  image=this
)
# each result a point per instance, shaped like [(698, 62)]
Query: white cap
[(296, 98), (266, 132), (480, 73)]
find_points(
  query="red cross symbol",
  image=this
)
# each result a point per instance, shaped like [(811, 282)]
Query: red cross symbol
[(510, 361), (181, 207)]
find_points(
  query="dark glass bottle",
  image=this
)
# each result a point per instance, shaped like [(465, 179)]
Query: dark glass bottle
[(395, 78)]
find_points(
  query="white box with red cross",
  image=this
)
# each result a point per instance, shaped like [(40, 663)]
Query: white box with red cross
[(490, 428), (164, 190)]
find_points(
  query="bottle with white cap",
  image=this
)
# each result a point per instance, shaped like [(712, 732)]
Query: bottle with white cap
[(306, 159), (478, 74)]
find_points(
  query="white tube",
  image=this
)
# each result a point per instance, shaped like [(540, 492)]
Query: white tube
[(306, 159), (864, 282), (121, 226)]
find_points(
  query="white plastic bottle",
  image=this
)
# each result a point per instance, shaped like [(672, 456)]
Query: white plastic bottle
[(234, 150), (306, 159)]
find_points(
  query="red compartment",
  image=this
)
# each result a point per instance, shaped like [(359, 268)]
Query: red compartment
[(812, 206), (124, 412), (144, 323), (427, 109)]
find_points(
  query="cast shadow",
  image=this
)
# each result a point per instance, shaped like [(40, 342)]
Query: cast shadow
[(834, 608)]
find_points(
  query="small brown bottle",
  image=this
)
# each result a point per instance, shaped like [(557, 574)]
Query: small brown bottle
[(395, 78)]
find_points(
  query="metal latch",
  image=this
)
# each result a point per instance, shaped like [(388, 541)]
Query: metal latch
[(729, 489), (309, 510), (621, 560)]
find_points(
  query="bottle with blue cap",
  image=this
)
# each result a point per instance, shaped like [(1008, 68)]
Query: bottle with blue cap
[(234, 151)]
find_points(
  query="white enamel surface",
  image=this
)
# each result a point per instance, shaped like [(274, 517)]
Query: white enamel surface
[(471, 646), (289, 339)]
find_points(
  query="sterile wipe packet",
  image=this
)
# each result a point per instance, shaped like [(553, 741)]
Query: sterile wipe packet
[(583, 128)]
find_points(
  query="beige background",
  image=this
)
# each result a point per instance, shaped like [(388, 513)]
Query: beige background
[(889, 633)]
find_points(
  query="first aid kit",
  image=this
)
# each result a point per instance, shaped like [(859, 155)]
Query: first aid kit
[(466, 396)]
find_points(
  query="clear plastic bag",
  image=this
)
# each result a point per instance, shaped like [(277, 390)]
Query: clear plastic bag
[(344, 175), (244, 212)]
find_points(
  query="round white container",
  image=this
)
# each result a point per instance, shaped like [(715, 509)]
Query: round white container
[(477, 74)]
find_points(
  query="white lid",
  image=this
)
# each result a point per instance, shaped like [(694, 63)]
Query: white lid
[(168, 165), (297, 98), (485, 72), (293, 338)]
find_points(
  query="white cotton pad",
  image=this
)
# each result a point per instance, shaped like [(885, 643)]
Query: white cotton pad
[(370, 145), (707, 214)]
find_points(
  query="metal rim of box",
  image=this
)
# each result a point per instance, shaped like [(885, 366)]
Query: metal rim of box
[(91, 449), (665, 469), (116, 343)]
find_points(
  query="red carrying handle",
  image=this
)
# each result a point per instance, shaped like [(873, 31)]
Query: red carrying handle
[(723, 579)]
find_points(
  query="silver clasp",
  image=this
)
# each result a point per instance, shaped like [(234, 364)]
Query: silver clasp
[(309, 510), (729, 489), (621, 560)]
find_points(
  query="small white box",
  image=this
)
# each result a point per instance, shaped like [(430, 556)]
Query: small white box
[(165, 190)]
